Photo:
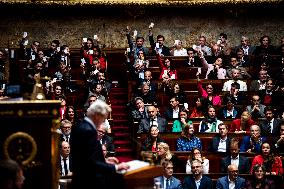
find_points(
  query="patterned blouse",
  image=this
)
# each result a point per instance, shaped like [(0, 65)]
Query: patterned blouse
[(187, 144)]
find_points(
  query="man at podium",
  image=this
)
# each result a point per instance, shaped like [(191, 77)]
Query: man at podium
[(90, 168)]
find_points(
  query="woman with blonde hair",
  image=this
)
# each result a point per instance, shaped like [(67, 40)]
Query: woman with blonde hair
[(164, 154), (243, 124), (197, 155)]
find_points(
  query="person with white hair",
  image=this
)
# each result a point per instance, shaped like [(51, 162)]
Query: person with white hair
[(89, 165)]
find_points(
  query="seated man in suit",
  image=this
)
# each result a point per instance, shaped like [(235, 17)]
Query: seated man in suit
[(105, 139), (221, 142), (271, 125), (168, 181), (172, 113), (148, 80), (256, 109), (65, 128), (140, 112), (235, 158), (257, 85), (149, 97), (232, 180), (153, 119), (193, 61), (197, 180), (65, 159)]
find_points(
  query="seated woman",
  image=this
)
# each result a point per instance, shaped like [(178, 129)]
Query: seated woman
[(199, 110), (271, 163), (164, 154), (188, 141), (183, 120), (259, 179), (212, 98), (253, 142), (196, 155), (71, 115), (152, 140), (166, 67), (242, 125)]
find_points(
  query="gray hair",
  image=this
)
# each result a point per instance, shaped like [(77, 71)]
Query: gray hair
[(98, 107)]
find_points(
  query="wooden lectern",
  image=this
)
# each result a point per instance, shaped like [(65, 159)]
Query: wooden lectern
[(28, 136), (142, 178)]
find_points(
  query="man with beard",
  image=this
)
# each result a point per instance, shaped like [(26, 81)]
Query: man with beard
[(197, 180)]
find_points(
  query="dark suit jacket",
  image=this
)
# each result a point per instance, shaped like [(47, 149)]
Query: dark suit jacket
[(223, 183), (250, 50), (174, 183), (108, 141), (213, 147), (144, 125), (165, 50), (196, 63), (189, 183), (60, 166), (265, 127), (244, 166), (89, 166), (254, 85), (137, 115), (169, 114)]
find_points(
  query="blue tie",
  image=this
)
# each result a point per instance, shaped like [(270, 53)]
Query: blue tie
[(168, 184)]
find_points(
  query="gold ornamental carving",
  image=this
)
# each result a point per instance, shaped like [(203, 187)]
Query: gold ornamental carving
[(21, 147)]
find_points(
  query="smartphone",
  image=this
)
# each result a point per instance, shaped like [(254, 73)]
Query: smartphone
[(135, 32), (157, 45), (25, 34), (26, 42), (176, 42), (128, 49), (91, 52), (95, 37), (85, 40)]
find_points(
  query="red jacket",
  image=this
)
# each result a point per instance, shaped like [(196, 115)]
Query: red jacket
[(165, 69), (236, 125)]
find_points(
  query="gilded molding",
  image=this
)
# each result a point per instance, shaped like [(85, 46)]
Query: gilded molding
[(165, 3)]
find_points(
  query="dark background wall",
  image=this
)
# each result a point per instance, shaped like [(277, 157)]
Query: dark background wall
[(71, 24)]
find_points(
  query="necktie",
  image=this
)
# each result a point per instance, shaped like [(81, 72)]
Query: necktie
[(270, 126), (65, 166), (168, 184), (67, 139)]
